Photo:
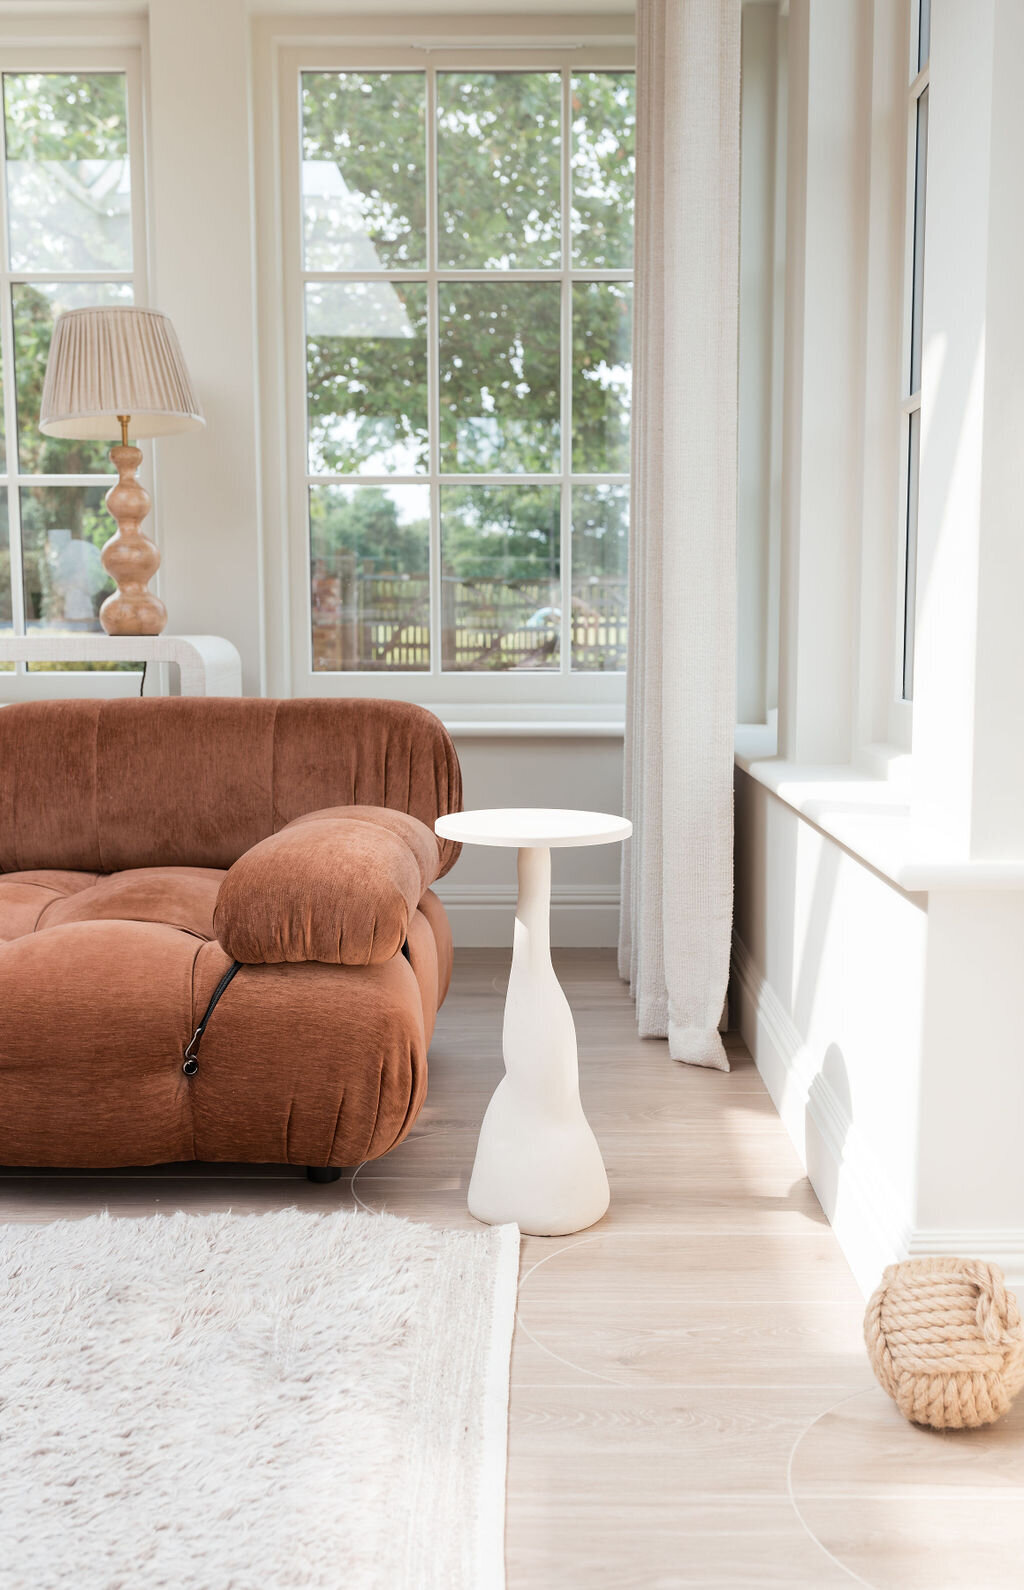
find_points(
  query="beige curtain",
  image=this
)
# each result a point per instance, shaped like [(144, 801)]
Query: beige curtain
[(677, 873)]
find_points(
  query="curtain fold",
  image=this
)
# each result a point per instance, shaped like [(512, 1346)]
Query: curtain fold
[(677, 871)]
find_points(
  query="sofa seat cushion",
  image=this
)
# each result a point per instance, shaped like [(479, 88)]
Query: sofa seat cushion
[(24, 896), (306, 1065), (177, 897)]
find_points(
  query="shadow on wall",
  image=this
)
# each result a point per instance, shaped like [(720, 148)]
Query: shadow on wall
[(827, 1121)]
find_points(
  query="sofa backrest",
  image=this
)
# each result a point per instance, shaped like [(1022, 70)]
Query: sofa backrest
[(101, 786)]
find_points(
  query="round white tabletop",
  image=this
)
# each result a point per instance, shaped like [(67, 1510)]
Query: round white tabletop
[(527, 826)]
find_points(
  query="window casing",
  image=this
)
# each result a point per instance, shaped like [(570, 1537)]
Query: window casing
[(52, 517), (442, 657), (917, 182)]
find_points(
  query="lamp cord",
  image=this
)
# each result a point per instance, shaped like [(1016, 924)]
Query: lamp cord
[(142, 681)]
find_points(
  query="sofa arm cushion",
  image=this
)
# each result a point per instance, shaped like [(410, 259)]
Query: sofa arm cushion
[(338, 885)]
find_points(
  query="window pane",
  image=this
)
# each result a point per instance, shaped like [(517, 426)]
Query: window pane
[(910, 589), (601, 332), (499, 169), (63, 529), (924, 33), (920, 195), (600, 538), (603, 169), (364, 170), (369, 577), (3, 435), (366, 377), (499, 370), (500, 593), (36, 307), (6, 623), (68, 181)]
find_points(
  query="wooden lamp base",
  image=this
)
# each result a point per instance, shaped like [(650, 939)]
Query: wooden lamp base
[(129, 557)]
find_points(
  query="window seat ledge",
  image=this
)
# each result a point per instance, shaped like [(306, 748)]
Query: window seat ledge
[(871, 818)]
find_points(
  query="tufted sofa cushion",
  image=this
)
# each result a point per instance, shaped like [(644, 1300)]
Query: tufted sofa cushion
[(119, 822), (339, 886), (311, 1065)]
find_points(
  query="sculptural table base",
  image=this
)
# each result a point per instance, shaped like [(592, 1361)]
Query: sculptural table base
[(537, 1161)]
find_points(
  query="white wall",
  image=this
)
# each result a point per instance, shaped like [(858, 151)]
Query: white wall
[(886, 1022), (828, 991), (481, 892), (887, 1028), (202, 275)]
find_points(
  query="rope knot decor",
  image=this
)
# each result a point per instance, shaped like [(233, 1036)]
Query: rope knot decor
[(945, 1340)]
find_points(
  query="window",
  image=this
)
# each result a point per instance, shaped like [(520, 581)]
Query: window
[(69, 222), (466, 256), (917, 190)]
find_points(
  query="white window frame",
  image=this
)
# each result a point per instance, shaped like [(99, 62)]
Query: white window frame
[(883, 719), (544, 696), (65, 58), (910, 399)]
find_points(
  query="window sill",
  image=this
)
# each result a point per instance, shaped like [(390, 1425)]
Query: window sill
[(533, 723), (870, 817)]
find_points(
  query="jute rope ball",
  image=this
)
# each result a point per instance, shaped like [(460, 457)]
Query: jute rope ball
[(945, 1340)]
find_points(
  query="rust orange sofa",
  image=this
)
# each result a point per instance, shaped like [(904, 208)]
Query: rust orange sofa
[(147, 848)]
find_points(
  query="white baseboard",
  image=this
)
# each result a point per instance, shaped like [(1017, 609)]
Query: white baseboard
[(1005, 1248), (584, 916), (870, 1223)]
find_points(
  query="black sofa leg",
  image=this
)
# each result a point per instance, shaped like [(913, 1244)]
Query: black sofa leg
[(324, 1172)]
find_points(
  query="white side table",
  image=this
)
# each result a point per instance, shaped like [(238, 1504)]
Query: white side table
[(537, 1160), (208, 665)]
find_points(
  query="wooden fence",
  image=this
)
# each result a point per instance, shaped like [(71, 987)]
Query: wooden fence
[(366, 621)]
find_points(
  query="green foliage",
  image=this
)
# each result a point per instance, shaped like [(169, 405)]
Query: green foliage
[(603, 168), (499, 342), (487, 532), (363, 521), (600, 532), (50, 517), (76, 217), (5, 567), (500, 532), (499, 170), (601, 337), (372, 126), (68, 183), (367, 393), (65, 116), (35, 309), (499, 368)]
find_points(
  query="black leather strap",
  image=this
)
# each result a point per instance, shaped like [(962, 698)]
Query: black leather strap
[(191, 1065)]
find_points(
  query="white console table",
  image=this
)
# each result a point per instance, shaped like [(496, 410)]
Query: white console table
[(208, 665)]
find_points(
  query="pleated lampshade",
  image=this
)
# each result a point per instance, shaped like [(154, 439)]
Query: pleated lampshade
[(106, 362)]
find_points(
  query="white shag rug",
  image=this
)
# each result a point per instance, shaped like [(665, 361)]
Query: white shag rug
[(289, 1401)]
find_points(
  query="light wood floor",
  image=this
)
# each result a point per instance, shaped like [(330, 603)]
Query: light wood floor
[(691, 1403)]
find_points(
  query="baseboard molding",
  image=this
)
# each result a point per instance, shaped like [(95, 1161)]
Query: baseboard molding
[(869, 1220), (584, 916), (1005, 1248)]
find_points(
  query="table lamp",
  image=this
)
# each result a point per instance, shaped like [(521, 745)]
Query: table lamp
[(110, 369)]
